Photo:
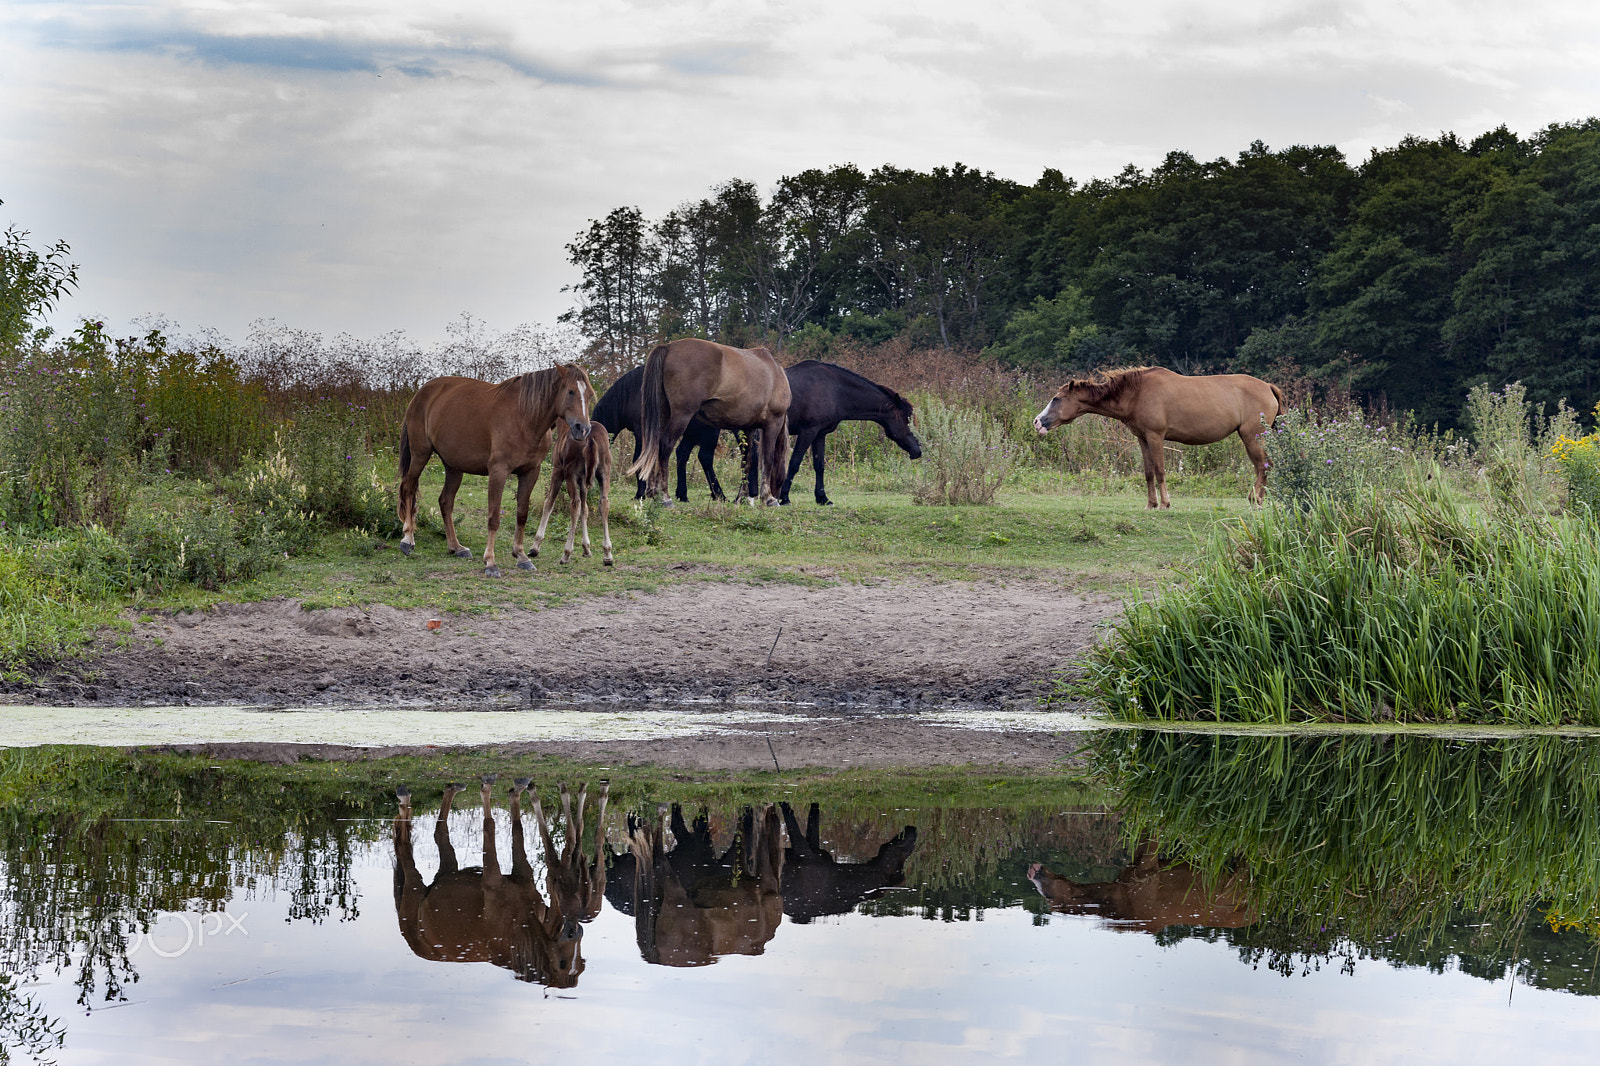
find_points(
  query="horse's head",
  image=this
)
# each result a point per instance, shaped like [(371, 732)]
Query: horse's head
[(574, 394), (898, 425), (1063, 407)]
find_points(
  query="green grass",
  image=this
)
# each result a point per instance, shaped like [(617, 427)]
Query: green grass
[(1094, 542)]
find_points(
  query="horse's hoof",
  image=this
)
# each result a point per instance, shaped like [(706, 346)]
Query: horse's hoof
[(773, 501), (491, 571), (525, 564), (405, 549), (611, 562), (462, 553), (488, 779), (824, 503), (402, 793)]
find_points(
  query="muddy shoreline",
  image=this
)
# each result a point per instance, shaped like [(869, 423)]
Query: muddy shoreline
[(866, 659), (869, 645)]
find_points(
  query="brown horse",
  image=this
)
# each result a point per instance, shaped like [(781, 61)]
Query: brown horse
[(730, 388), (1158, 406), (575, 465), (690, 906), (1150, 896), (497, 430), (482, 914)]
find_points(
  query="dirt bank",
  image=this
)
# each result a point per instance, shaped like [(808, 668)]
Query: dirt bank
[(900, 645)]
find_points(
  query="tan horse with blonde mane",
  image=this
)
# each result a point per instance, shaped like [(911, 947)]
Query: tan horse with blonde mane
[(1159, 405), (476, 427)]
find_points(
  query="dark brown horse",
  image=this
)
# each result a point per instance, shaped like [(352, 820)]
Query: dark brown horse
[(691, 906), (481, 914), (729, 388), (496, 430), (576, 465), (1158, 406)]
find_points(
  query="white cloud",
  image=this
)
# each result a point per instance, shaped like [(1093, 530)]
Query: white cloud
[(367, 165)]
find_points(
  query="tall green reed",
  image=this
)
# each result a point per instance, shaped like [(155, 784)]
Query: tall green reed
[(1405, 606)]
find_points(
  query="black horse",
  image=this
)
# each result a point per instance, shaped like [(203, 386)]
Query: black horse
[(822, 396), (618, 409)]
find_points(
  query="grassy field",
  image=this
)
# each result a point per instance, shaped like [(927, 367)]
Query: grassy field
[(1094, 541)]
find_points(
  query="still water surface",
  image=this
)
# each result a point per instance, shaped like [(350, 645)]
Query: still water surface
[(1249, 900)]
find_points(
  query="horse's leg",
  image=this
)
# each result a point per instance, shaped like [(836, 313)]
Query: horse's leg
[(575, 510), (525, 483), (550, 494), (685, 446), (543, 825), (597, 871), (604, 476), (1253, 447), (676, 426), (491, 858), (585, 482), (750, 463), (441, 832), (1152, 446), (775, 455), (817, 464), (521, 868), (447, 507), (409, 480), (407, 879), (497, 488), (642, 489), (797, 456), (708, 453)]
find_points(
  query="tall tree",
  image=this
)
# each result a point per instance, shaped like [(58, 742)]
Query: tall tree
[(618, 306), (30, 284)]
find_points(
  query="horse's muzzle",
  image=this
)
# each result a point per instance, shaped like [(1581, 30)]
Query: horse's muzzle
[(579, 430)]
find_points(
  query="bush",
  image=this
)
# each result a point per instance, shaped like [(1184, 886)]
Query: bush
[(965, 456), (1580, 467), (208, 545), (1339, 457)]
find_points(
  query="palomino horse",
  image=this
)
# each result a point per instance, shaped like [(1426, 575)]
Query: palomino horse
[(618, 410), (576, 465), (821, 396), (691, 906), (730, 388), (484, 915), (479, 428), (1150, 896), (1158, 406)]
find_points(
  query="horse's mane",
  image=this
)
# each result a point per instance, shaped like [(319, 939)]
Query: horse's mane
[(535, 390), (1103, 386), (899, 401)]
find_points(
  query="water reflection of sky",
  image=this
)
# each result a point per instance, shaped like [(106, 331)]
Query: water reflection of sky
[(854, 989)]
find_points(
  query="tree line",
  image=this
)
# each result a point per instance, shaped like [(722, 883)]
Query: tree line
[(1431, 266)]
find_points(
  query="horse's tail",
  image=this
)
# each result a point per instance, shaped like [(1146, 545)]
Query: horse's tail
[(652, 416), (405, 449), (1283, 404)]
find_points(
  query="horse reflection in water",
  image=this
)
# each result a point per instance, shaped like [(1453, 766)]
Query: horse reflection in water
[(1150, 895), (815, 884), (480, 914), (691, 905)]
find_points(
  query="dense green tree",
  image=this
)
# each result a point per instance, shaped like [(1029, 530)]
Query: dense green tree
[(30, 284)]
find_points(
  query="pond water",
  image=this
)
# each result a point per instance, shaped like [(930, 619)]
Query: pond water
[(1371, 899)]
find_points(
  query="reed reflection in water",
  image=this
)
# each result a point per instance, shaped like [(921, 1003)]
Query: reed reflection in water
[(1412, 849)]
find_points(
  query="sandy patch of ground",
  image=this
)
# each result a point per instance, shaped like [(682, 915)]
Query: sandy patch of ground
[(874, 645)]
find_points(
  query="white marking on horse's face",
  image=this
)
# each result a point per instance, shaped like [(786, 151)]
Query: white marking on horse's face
[(1039, 419)]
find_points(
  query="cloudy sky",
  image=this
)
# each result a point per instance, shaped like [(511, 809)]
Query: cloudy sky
[(362, 166)]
